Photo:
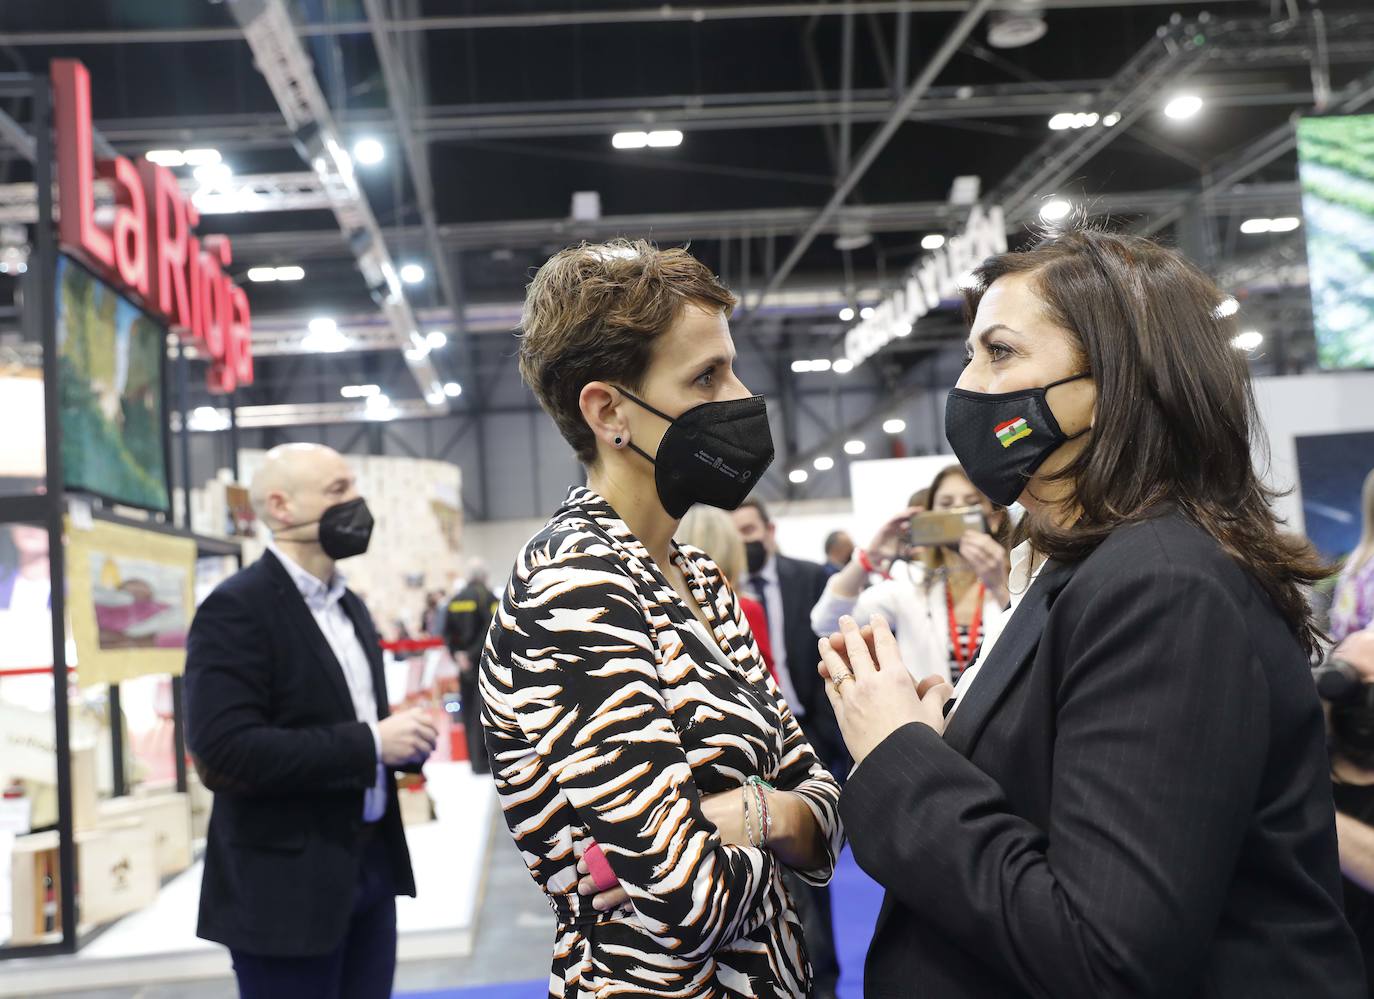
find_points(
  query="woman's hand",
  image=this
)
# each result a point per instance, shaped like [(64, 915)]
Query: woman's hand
[(886, 542), (725, 811), (611, 898), (871, 690), (986, 556)]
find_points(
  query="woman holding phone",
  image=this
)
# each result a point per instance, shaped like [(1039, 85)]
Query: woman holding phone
[(941, 601), (1130, 794)]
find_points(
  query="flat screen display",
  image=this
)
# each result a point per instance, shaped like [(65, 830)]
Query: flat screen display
[(114, 419), (1336, 166)]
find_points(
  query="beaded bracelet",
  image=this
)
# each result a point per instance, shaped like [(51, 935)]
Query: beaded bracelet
[(748, 824)]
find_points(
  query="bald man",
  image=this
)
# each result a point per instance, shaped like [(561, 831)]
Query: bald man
[(288, 723)]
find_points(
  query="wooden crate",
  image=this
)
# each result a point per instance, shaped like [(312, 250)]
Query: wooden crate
[(116, 875), (167, 817)]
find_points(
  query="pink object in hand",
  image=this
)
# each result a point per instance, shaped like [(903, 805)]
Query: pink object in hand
[(600, 868)]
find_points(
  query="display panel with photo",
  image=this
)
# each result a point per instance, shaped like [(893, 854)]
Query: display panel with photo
[(130, 596), (25, 597), (1332, 470), (114, 419), (1336, 166)]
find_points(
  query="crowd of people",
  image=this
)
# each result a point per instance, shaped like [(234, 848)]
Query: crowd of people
[(1062, 706)]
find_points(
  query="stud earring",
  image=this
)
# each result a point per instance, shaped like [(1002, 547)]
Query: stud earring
[(619, 442)]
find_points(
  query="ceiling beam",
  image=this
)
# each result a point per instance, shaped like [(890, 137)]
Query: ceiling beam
[(662, 14), (973, 13)]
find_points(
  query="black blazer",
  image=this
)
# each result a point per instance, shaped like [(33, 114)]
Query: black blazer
[(1132, 800), (802, 584), (273, 732)]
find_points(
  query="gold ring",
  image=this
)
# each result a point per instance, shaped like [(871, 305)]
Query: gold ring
[(841, 679)]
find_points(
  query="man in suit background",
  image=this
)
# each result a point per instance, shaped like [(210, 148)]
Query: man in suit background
[(788, 588), (288, 723), (467, 619)]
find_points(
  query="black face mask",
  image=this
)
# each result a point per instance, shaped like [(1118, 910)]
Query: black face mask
[(755, 555), (1001, 439), (712, 454), (345, 529)]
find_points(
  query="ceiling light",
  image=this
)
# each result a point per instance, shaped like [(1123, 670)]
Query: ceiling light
[(821, 364), (1062, 121), (261, 274), (1285, 224), (1111, 119), (378, 401), (213, 174), (933, 242), (412, 273), (842, 366), (417, 353), (359, 391), (630, 140), (1088, 120), (1248, 340), (824, 463), (1252, 226), (1183, 106), (1228, 307), (800, 367), (453, 390), (291, 273), (437, 340), (905, 328), (894, 426), (846, 314), (1055, 210), (369, 152), (201, 157), (324, 337), (166, 157), (797, 476), (666, 139), (854, 447), (866, 312), (207, 418), (435, 397)]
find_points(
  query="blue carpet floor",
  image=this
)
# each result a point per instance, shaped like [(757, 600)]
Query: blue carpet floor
[(856, 902)]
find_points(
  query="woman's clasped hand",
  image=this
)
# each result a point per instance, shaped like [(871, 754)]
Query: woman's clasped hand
[(871, 689)]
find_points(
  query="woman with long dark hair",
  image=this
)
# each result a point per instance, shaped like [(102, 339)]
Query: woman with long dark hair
[(1129, 794)]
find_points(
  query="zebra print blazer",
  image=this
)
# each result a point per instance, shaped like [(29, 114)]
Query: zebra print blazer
[(608, 718)]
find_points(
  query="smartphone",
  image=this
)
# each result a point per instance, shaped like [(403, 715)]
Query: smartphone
[(942, 527)]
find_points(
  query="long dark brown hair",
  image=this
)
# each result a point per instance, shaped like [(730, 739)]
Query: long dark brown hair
[(1175, 419)]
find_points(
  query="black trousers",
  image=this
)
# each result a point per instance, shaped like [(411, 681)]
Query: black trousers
[(471, 713), (362, 966)]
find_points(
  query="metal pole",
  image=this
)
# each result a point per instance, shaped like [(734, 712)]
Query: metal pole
[(46, 284), (233, 435), (878, 143), (846, 93), (117, 742)]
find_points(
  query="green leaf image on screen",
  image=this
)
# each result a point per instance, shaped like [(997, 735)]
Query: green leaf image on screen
[(1336, 166), (110, 371)]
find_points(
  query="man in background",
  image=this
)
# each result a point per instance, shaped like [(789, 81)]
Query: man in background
[(839, 549), (288, 723), (466, 623), (788, 588)]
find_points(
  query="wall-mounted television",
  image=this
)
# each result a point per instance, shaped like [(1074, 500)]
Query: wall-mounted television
[(1336, 166), (112, 358)]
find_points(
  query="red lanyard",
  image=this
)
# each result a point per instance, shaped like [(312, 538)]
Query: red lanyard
[(963, 655)]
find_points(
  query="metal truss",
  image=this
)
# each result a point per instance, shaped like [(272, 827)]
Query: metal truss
[(249, 193), (661, 14), (287, 69)]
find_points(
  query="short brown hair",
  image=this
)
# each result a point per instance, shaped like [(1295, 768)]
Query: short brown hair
[(592, 313), (1175, 418)]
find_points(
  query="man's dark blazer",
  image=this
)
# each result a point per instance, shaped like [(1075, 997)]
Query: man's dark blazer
[(1133, 799), (273, 731), (802, 584)]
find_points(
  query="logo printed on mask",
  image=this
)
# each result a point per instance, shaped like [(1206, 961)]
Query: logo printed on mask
[(1012, 431), (720, 466)]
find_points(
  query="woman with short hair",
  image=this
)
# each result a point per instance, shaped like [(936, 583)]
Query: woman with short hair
[(1129, 794), (627, 710)]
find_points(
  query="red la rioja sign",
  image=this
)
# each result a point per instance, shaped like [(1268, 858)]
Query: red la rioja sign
[(151, 248)]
